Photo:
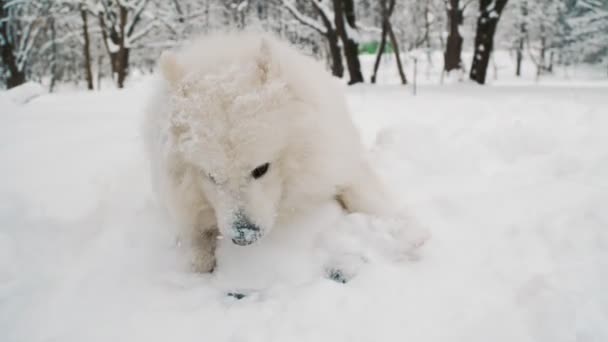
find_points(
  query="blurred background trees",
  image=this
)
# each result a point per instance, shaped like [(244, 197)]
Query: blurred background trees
[(86, 41)]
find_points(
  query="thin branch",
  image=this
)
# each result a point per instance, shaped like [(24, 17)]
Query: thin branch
[(305, 20), (141, 33), (136, 17)]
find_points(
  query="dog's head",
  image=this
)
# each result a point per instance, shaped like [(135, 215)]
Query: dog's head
[(229, 125)]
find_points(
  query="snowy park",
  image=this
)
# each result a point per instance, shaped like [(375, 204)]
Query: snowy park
[(502, 180)]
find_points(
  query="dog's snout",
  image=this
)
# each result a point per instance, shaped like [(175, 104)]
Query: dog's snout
[(244, 231)]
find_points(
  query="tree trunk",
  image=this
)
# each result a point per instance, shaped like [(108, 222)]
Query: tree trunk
[(122, 64), (119, 59), (391, 34), (387, 29), (520, 55), (122, 56), (330, 33), (86, 48), (54, 50), (99, 70), (337, 68), (344, 9), (380, 50), (385, 12), (427, 33), (453, 48), (523, 31), (540, 69), (489, 14), (15, 76)]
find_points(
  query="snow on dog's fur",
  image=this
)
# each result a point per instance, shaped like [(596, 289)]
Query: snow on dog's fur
[(244, 133)]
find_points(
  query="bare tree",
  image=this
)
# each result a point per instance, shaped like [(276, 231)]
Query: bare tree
[(51, 23), (325, 28), (386, 12), (523, 30), (453, 49), (20, 25), (489, 14), (86, 47), (344, 19), (238, 9), (118, 21)]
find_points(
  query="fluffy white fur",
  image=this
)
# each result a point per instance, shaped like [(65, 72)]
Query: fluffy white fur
[(229, 103)]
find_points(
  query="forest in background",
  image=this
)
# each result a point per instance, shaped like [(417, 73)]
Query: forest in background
[(87, 41)]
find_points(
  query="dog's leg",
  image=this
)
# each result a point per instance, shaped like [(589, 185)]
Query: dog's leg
[(201, 240), (366, 194), (386, 226), (203, 249)]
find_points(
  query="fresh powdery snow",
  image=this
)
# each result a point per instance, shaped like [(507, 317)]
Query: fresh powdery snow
[(510, 181)]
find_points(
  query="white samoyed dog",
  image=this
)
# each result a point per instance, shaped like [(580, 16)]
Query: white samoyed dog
[(243, 133)]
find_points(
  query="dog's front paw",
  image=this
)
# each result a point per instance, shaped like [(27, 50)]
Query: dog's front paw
[(400, 238), (342, 267), (203, 262), (362, 238)]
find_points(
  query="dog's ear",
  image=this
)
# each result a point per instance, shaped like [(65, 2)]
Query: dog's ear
[(267, 66), (170, 69)]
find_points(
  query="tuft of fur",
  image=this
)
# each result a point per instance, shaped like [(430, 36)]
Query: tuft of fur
[(227, 103)]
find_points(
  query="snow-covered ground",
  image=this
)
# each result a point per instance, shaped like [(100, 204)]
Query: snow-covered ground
[(511, 181)]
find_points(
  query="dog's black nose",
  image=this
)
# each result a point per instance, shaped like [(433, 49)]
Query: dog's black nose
[(245, 232)]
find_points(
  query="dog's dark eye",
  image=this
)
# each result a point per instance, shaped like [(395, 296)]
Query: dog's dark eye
[(260, 170)]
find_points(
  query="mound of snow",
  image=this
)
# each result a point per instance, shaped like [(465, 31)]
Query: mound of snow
[(24, 93)]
